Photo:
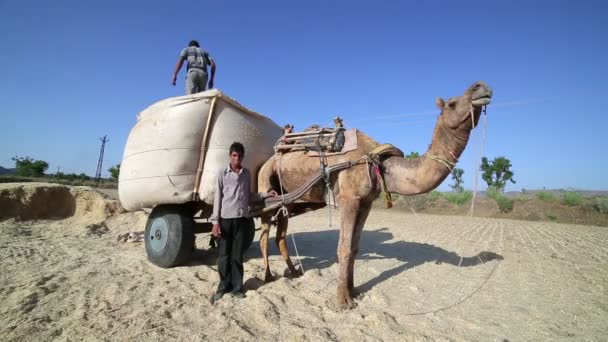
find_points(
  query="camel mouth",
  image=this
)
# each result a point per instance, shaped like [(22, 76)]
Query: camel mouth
[(481, 101)]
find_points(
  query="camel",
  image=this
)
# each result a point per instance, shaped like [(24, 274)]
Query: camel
[(355, 190)]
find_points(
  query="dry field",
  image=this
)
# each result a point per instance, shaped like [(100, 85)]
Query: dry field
[(420, 277)]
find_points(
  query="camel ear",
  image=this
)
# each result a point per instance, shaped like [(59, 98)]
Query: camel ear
[(440, 103)]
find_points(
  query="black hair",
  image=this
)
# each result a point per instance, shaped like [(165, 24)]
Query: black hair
[(237, 147), (193, 43)]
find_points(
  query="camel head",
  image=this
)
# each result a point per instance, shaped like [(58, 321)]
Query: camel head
[(456, 112)]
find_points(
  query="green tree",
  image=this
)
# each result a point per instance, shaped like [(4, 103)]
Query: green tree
[(457, 179), (497, 172), (114, 171), (412, 155), (29, 167)]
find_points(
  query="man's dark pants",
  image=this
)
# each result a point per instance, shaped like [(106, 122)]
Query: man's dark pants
[(230, 258)]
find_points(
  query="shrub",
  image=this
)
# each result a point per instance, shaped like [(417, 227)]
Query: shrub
[(493, 193), (29, 167), (115, 171), (433, 196), (416, 202), (601, 204), (544, 196), (572, 198), (505, 204), (458, 197)]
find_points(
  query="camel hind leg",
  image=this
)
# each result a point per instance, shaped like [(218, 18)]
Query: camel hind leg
[(282, 244)]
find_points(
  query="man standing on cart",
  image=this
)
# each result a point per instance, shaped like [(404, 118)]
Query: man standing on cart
[(197, 60)]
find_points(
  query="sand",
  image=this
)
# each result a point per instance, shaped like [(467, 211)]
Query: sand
[(420, 277)]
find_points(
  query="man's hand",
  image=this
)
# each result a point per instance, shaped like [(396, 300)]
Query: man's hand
[(272, 193), (216, 231), (173, 79)]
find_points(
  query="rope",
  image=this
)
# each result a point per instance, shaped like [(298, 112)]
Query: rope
[(297, 254), (478, 166), (369, 178), (448, 164)]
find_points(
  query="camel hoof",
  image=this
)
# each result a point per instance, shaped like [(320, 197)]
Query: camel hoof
[(268, 278), (292, 273), (346, 303)]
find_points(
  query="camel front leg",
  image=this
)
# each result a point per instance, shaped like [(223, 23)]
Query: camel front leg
[(349, 209), (282, 244), (268, 277)]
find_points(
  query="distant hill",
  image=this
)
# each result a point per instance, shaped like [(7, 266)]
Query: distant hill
[(4, 171)]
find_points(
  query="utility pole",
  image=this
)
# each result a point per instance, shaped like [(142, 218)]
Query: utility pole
[(100, 162)]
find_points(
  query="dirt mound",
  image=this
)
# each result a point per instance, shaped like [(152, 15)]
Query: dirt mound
[(36, 201)]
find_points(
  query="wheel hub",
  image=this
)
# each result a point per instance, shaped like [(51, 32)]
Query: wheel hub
[(159, 234)]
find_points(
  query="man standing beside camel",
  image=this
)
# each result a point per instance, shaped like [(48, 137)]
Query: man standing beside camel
[(231, 220)]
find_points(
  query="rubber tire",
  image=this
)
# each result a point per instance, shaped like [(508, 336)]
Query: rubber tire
[(180, 237)]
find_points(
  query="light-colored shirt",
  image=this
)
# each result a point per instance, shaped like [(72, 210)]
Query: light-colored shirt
[(233, 194)]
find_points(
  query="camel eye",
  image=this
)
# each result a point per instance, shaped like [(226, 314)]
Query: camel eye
[(452, 105)]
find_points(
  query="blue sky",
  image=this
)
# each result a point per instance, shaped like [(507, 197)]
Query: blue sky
[(73, 71)]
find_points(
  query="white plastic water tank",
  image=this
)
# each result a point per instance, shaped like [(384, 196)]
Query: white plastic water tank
[(176, 139)]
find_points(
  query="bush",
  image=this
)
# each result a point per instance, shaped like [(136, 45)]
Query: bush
[(15, 179), (433, 196), (105, 183), (115, 171), (417, 202), (601, 204), (29, 167), (544, 196), (505, 204), (493, 193), (422, 201), (572, 198), (458, 197)]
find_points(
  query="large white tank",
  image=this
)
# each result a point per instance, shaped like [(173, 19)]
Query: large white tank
[(177, 140)]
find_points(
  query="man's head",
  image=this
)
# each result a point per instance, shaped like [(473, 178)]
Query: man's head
[(237, 153), (193, 43)]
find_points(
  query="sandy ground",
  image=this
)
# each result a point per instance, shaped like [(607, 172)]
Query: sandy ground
[(420, 277)]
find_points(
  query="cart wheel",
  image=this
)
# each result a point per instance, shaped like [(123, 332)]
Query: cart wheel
[(169, 235)]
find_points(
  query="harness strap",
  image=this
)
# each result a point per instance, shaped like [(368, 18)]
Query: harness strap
[(288, 198)]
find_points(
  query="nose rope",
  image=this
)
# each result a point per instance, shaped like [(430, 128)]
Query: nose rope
[(483, 141)]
